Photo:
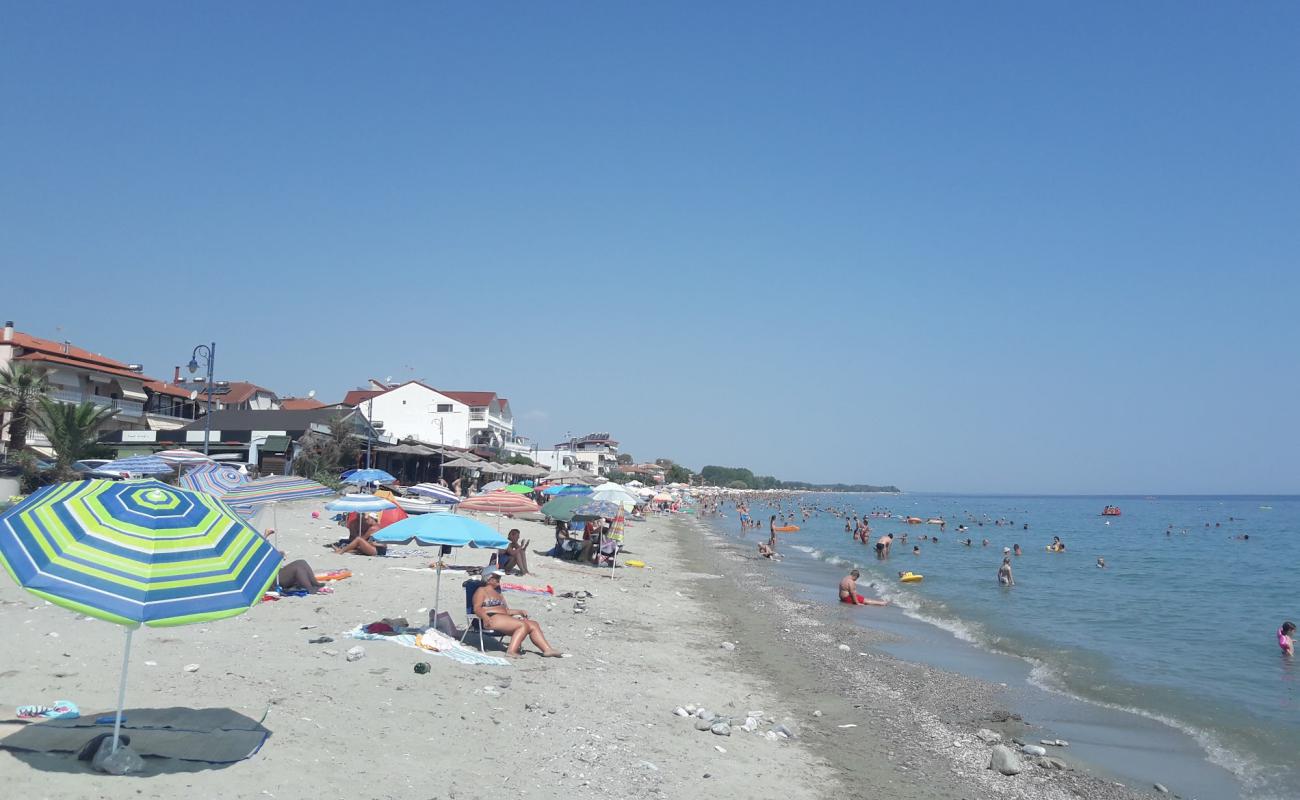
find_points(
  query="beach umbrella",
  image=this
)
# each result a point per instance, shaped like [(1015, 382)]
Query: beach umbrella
[(614, 493), (567, 489), (136, 465), (439, 493), (596, 509), (463, 463), (183, 458), (136, 552), (502, 502), (367, 476), (445, 530), (359, 502), (519, 488), (663, 498), (561, 508), (214, 479), (492, 486), (276, 489)]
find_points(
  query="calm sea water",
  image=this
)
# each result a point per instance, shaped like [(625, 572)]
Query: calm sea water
[(1180, 625)]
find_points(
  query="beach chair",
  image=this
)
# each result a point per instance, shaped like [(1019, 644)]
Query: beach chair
[(472, 623)]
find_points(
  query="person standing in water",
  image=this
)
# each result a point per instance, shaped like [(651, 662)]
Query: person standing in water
[(1284, 639), (1005, 577)]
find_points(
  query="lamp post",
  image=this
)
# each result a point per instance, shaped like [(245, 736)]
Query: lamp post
[(370, 427), (208, 351)]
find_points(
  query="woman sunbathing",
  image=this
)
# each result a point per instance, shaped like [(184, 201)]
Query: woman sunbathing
[(491, 609), (359, 537)]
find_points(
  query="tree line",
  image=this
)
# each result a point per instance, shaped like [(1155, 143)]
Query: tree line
[(743, 478)]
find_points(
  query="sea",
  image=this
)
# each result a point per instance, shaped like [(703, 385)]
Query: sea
[(1160, 667)]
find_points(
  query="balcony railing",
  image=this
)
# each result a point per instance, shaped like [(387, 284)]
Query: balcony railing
[(65, 395), (477, 416), (126, 408)]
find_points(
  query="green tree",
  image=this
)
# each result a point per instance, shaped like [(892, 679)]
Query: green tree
[(322, 456), (21, 386), (625, 459), (72, 430), (677, 474)]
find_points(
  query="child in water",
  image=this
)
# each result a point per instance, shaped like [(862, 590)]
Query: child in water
[(1284, 637)]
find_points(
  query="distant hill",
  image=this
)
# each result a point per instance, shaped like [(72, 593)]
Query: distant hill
[(742, 478)]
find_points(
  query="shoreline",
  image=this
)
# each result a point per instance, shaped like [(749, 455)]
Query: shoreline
[(914, 721)]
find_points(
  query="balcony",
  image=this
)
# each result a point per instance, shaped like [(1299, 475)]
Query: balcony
[(125, 408)]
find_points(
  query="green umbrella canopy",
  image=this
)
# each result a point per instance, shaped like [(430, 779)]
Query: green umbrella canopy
[(561, 508), (519, 488)]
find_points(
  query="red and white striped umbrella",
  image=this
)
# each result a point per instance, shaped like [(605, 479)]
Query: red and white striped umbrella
[(502, 502)]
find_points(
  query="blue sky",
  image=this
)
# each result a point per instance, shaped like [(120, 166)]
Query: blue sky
[(1028, 247)]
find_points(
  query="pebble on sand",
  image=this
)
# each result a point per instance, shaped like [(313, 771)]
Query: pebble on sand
[(1004, 760)]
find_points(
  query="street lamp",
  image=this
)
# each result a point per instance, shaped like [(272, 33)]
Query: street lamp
[(208, 352)]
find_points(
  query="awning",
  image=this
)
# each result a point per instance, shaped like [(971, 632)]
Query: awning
[(132, 394), (274, 444)]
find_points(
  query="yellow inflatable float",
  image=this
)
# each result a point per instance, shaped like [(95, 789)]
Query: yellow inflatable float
[(911, 577)]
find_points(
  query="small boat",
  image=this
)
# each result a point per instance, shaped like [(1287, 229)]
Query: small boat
[(419, 505), (1111, 511), (914, 520)]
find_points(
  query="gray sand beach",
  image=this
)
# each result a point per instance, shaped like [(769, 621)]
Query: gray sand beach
[(597, 724)]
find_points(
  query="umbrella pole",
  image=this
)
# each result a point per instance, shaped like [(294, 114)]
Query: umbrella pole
[(437, 590), (121, 688)]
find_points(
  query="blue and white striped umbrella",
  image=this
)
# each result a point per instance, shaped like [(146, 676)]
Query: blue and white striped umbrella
[(359, 503), (214, 479), (136, 465), (367, 476), (435, 492)]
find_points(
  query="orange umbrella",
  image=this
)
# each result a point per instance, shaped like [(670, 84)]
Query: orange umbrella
[(502, 502)]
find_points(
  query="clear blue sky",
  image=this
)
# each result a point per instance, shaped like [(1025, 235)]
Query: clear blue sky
[(1041, 247)]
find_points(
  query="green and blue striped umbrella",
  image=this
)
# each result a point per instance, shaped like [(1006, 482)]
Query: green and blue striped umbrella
[(136, 552), (276, 489)]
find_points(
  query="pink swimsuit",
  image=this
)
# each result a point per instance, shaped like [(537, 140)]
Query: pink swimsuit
[(1284, 642)]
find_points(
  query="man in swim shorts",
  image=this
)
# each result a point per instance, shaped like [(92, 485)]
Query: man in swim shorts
[(849, 592)]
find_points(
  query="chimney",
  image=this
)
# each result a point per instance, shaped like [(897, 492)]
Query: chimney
[(67, 347), (176, 375), (9, 331)]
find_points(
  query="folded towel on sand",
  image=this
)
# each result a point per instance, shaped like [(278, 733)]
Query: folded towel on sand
[(432, 641)]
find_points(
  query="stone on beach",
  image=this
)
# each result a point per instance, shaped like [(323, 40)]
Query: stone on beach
[(681, 712), (356, 653), (845, 648), (727, 646), (1033, 750), (703, 724), (721, 728), (1004, 760), (122, 762)]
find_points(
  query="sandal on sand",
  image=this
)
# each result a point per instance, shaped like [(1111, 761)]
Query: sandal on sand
[(62, 709)]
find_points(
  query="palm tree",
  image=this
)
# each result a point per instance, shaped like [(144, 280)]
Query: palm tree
[(21, 385), (71, 429)]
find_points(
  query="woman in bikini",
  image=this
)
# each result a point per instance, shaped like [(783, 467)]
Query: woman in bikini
[(491, 609)]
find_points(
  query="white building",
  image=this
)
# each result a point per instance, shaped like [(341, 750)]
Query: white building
[(419, 411), (76, 375), (595, 452)]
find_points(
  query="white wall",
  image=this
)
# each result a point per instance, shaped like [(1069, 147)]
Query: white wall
[(410, 410)]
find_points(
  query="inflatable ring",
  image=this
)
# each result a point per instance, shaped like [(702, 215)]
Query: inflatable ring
[(786, 528)]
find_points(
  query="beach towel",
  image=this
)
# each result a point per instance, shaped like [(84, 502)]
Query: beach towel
[(519, 587), (432, 641), (406, 552), (204, 735)]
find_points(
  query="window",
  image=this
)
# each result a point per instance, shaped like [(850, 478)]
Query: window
[(444, 408)]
